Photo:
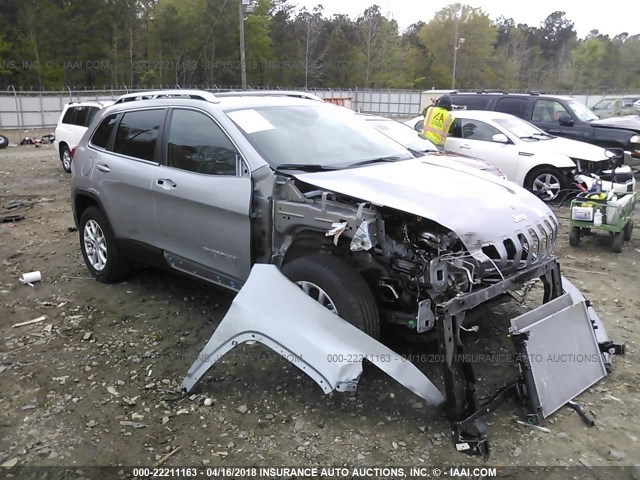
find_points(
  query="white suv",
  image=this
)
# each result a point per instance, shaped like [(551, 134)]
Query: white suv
[(74, 120)]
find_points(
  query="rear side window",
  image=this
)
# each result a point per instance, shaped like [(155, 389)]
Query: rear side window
[(69, 114), (198, 144), (103, 132), (472, 102), (90, 114), (513, 105), (138, 134)]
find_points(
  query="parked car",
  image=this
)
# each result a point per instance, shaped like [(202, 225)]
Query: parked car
[(209, 186), (615, 106), (215, 188), (636, 107), (528, 156), (73, 122), (422, 147), (562, 116)]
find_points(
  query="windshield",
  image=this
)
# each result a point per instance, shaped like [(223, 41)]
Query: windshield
[(603, 104), (522, 129), (322, 136), (403, 134), (581, 111)]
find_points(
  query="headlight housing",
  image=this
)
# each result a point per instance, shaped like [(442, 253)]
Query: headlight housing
[(635, 139)]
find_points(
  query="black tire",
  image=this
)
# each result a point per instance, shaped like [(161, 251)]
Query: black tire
[(574, 236), (4, 142), (115, 266), (547, 175), (65, 158), (628, 230), (345, 287), (617, 241)]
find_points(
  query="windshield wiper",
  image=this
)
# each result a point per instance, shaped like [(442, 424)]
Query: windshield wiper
[(305, 167), (376, 160), (529, 137)]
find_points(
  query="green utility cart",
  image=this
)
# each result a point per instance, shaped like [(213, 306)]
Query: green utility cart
[(597, 212)]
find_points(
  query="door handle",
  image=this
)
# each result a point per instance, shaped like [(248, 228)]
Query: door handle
[(465, 147), (166, 183), (103, 168)]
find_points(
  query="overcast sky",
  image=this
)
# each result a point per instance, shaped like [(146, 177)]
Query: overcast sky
[(612, 17)]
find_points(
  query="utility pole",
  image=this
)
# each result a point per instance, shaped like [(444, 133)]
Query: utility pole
[(457, 43), (243, 61)]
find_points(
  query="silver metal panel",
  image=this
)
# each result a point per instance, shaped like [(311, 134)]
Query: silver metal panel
[(525, 320), (563, 353), (600, 331), (273, 311)]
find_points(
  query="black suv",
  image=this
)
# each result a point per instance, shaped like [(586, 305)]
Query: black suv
[(563, 116)]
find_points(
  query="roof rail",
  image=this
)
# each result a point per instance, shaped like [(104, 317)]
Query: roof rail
[(493, 90), (269, 93), (175, 93)]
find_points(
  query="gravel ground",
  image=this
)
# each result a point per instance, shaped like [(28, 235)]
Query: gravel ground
[(107, 354)]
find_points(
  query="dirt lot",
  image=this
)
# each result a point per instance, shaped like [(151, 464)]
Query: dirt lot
[(112, 353)]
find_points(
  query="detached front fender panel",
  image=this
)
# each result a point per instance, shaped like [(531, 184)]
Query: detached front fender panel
[(273, 311)]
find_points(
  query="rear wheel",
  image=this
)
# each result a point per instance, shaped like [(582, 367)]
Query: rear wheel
[(338, 287), (574, 236), (97, 242), (628, 230), (546, 183), (65, 156), (4, 142)]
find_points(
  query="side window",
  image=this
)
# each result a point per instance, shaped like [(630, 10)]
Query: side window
[(548, 111), (513, 105), (80, 117), (138, 133), (69, 114), (103, 132), (472, 102), (476, 130), (456, 129), (198, 144), (90, 114)]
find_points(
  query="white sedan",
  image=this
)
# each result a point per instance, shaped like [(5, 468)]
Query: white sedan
[(527, 155)]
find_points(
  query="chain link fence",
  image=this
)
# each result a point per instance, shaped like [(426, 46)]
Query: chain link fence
[(24, 109)]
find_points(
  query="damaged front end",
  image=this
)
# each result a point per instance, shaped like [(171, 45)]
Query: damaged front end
[(430, 259)]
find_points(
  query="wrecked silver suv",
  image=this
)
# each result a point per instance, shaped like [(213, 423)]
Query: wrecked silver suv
[(212, 186)]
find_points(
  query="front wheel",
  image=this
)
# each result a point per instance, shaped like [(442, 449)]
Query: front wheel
[(65, 156), (617, 242), (546, 183), (97, 242), (338, 287)]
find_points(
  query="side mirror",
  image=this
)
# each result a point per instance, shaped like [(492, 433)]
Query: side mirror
[(500, 138), (565, 119)]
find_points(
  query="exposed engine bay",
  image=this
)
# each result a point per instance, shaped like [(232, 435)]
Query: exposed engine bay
[(410, 263)]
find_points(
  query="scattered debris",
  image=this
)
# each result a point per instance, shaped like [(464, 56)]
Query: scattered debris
[(30, 278), (30, 322), (11, 218), (113, 391), (537, 427), (28, 407), (611, 397), (72, 229), (242, 409), (10, 463), (208, 402), (87, 336), (167, 456), (127, 423)]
